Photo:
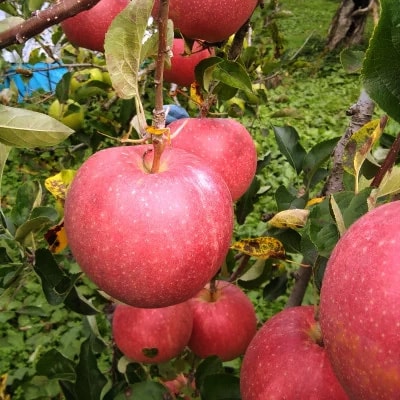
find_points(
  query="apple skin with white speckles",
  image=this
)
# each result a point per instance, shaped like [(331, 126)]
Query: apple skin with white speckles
[(148, 239), (224, 144), (209, 20), (224, 322), (183, 66), (359, 309), (138, 332), (88, 28), (285, 361)]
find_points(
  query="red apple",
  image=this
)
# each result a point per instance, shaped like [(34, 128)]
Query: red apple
[(224, 144), (224, 322), (182, 66), (209, 20), (88, 28), (286, 360), (148, 239), (359, 310), (152, 335)]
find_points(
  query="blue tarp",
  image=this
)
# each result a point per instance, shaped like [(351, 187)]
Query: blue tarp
[(44, 76)]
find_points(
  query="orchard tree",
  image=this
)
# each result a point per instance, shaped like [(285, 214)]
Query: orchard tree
[(133, 224)]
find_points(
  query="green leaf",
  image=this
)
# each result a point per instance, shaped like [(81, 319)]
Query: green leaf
[(352, 60), (220, 387), (89, 379), (209, 366), (4, 152), (316, 157), (380, 71), (63, 88), (123, 47), (55, 283), (286, 199), (29, 129), (204, 71), (289, 144), (28, 196), (32, 226), (148, 390), (275, 288), (55, 366), (232, 74)]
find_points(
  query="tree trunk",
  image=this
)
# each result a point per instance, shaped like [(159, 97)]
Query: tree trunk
[(348, 24)]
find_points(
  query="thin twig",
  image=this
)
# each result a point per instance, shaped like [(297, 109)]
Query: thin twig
[(43, 19)]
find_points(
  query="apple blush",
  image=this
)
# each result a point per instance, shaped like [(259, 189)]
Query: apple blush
[(359, 308), (148, 239)]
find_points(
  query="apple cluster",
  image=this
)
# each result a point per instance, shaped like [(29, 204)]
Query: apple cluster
[(219, 320)]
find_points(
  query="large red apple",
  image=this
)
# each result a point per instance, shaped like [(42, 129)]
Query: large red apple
[(286, 360), (148, 239), (152, 335), (224, 322), (224, 144), (359, 310), (182, 66), (88, 28), (209, 20)]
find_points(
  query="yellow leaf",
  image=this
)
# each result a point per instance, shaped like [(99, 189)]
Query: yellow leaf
[(360, 145), (315, 200), (292, 218), (195, 93), (58, 184), (262, 247), (152, 130), (3, 386), (56, 238)]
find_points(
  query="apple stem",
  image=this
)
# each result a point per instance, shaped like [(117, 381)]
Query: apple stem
[(213, 288), (158, 112)]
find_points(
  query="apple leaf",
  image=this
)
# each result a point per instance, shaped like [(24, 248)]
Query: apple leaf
[(123, 47), (275, 288), (261, 247), (294, 218), (148, 390), (220, 387), (55, 366), (28, 197), (10, 22), (89, 379), (352, 60), (380, 71), (289, 144), (29, 129), (58, 184), (359, 146), (314, 159), (232, 74)]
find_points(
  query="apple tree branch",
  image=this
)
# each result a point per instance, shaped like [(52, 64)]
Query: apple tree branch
[(43, 19)]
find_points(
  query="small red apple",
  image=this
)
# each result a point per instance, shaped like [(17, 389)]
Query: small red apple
[(209, 20), (359, 310), (152, 335), (179, 384), (148, 239), (88, 28), (224, 322), (182, 66), (286, 360), (224, 144)]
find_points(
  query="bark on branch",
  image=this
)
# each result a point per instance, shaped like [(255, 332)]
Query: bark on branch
[(43, 19)]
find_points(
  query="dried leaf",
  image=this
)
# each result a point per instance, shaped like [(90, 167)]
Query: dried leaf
[(315, 200), (262, 247), (293, 218), (338, 216), (58, 184), (56, 238), (360, 145)]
